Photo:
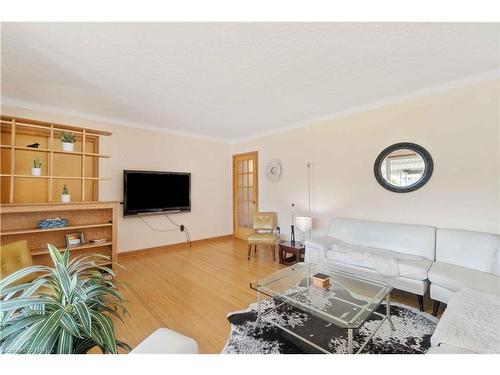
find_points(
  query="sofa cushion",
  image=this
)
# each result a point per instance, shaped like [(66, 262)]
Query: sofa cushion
[(469, 249), (471, 321), (387, 263), (321, 243), (454, 278), (447, 349), (401, 238), (414, 269)]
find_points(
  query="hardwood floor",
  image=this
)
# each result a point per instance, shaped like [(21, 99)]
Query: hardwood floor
[(191, 290)]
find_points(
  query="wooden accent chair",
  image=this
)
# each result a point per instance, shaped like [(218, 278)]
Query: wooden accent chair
[(264, 224)]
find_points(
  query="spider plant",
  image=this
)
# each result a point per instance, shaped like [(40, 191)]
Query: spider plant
[(65, 309)]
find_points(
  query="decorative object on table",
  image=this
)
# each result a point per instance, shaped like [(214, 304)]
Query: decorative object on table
[(321, 280), (33, 145), (68, 283), (412, 335), (290, 254), (75, 239), (292, 232), (273, 170), (56, 222), (68, 140), (403, 167), (37, 168), (98, 241), (65, 196)]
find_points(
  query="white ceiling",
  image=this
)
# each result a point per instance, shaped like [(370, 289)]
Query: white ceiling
[(231, 81)]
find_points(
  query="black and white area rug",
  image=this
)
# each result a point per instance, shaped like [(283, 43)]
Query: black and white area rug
[(412, 336)]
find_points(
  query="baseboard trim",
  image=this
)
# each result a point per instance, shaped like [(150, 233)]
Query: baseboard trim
[(177, 245)]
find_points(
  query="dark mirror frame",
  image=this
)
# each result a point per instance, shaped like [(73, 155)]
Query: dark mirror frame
[(429, 167)]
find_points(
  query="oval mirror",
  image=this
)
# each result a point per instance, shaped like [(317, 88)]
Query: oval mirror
[(403, 167)]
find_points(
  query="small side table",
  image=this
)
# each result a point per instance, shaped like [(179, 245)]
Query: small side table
[(290, 254)]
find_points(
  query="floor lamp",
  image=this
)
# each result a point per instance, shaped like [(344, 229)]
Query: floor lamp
[(304, 223)]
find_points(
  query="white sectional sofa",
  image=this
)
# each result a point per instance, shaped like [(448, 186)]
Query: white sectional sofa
[(387, 241), (460, 266), (464, 259)]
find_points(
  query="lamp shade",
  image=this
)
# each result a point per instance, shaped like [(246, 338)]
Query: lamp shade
[(303, 223)]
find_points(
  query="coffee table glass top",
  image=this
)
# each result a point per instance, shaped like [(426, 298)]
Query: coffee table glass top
[(347, 303)]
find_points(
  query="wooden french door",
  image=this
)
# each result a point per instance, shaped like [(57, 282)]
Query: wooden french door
[(245, 193)]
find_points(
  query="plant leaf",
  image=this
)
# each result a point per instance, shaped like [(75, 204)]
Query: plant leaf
[(18, 325), (84, 316), (21, 273), (49, 328), (64, 281), (83, 346), (107, 330), (17, 343), (65, 343), (25, 302), (55, 254), (68, 324)]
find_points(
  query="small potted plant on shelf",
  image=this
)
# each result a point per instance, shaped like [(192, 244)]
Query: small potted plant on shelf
[(37, 168), (65, 196), (68, 140), (65, 308)]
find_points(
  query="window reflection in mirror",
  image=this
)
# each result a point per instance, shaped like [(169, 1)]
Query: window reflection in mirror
[(402, 168)]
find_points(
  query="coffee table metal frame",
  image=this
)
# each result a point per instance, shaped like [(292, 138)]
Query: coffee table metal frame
[(284, 299)]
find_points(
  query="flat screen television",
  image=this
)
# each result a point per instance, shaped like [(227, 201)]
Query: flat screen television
[(154, 192)]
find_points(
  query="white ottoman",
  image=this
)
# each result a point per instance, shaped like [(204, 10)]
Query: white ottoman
[(166, 341)]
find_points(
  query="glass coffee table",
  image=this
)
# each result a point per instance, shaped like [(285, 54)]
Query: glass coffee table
[(347, 303)]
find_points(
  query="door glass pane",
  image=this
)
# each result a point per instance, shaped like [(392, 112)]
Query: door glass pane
[(245, 196), (240, 166), (250, 166)]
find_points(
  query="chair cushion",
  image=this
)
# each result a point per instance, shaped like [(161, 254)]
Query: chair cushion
[(264, 220), (454, 278), (262, 239), (15, 256)]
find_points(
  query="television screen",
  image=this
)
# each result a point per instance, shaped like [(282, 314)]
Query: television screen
[(146, 191)]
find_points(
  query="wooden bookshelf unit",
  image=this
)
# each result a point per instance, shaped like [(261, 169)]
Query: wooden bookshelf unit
[(78, 169), (97, 220)]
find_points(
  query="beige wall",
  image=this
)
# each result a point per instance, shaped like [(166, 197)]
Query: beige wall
[(130, 148), (459, 128)]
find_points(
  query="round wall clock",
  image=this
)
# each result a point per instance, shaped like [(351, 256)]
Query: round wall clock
[(273, 170)]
